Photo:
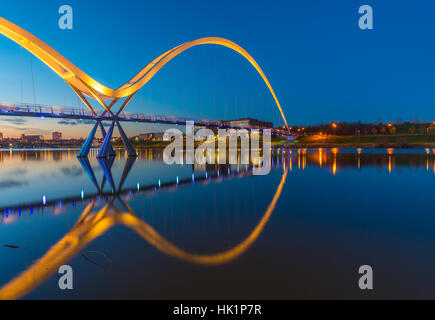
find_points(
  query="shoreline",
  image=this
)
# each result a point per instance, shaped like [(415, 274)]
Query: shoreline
[(274, 146), (356, 146)]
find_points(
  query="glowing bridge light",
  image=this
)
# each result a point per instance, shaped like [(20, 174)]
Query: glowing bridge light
[(82, 194), (177, 179), (138, 186), (160, 183), (44, 200)]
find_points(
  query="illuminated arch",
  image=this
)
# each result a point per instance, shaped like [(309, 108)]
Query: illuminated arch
[(84, 85)]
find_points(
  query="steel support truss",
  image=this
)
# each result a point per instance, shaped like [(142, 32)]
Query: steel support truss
[(106, 149)]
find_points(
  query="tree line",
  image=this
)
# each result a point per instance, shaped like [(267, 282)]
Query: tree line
[(358, 128)]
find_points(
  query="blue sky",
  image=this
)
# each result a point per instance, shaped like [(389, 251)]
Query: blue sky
[(321, 65)]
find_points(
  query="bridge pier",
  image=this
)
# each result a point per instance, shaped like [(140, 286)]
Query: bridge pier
[(130, 150), (86, 147), (103, 131), (84, 151), (106, 149)]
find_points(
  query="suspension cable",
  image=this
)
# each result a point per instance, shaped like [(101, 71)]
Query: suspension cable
[(33, 80), (21, 74)]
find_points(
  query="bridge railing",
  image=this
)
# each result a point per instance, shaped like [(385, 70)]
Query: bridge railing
[(60, 111), (160, 118), (42, 110)]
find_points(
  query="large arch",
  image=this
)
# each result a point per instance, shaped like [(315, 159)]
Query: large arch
[(84, 85)]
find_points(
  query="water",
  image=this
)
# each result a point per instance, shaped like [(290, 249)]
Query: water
[(143, 229)]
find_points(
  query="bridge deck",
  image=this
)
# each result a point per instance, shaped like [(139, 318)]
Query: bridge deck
[(43, 111)]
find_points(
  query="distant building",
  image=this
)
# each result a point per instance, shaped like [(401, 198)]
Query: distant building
[(152, 136), (57, 136), (31, 139), (1, 136), (249, 123)]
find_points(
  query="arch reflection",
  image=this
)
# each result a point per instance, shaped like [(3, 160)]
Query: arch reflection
[(93, 222)]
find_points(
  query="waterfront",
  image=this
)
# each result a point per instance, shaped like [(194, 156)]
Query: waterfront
[(334, 210)]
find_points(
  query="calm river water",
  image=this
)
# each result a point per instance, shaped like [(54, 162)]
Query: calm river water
[(144, 229)]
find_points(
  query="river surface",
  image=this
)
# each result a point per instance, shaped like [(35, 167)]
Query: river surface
[(144, 229)]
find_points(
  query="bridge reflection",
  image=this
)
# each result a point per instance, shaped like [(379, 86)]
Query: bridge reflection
[(106, 209), (94, 221), (200, 174), (332, 160)]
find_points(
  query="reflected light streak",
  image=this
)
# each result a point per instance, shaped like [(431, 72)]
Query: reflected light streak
[(389, 164), (320, 157)]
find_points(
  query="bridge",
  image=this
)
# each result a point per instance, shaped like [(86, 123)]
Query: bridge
[(58, 112), (86, 87)]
